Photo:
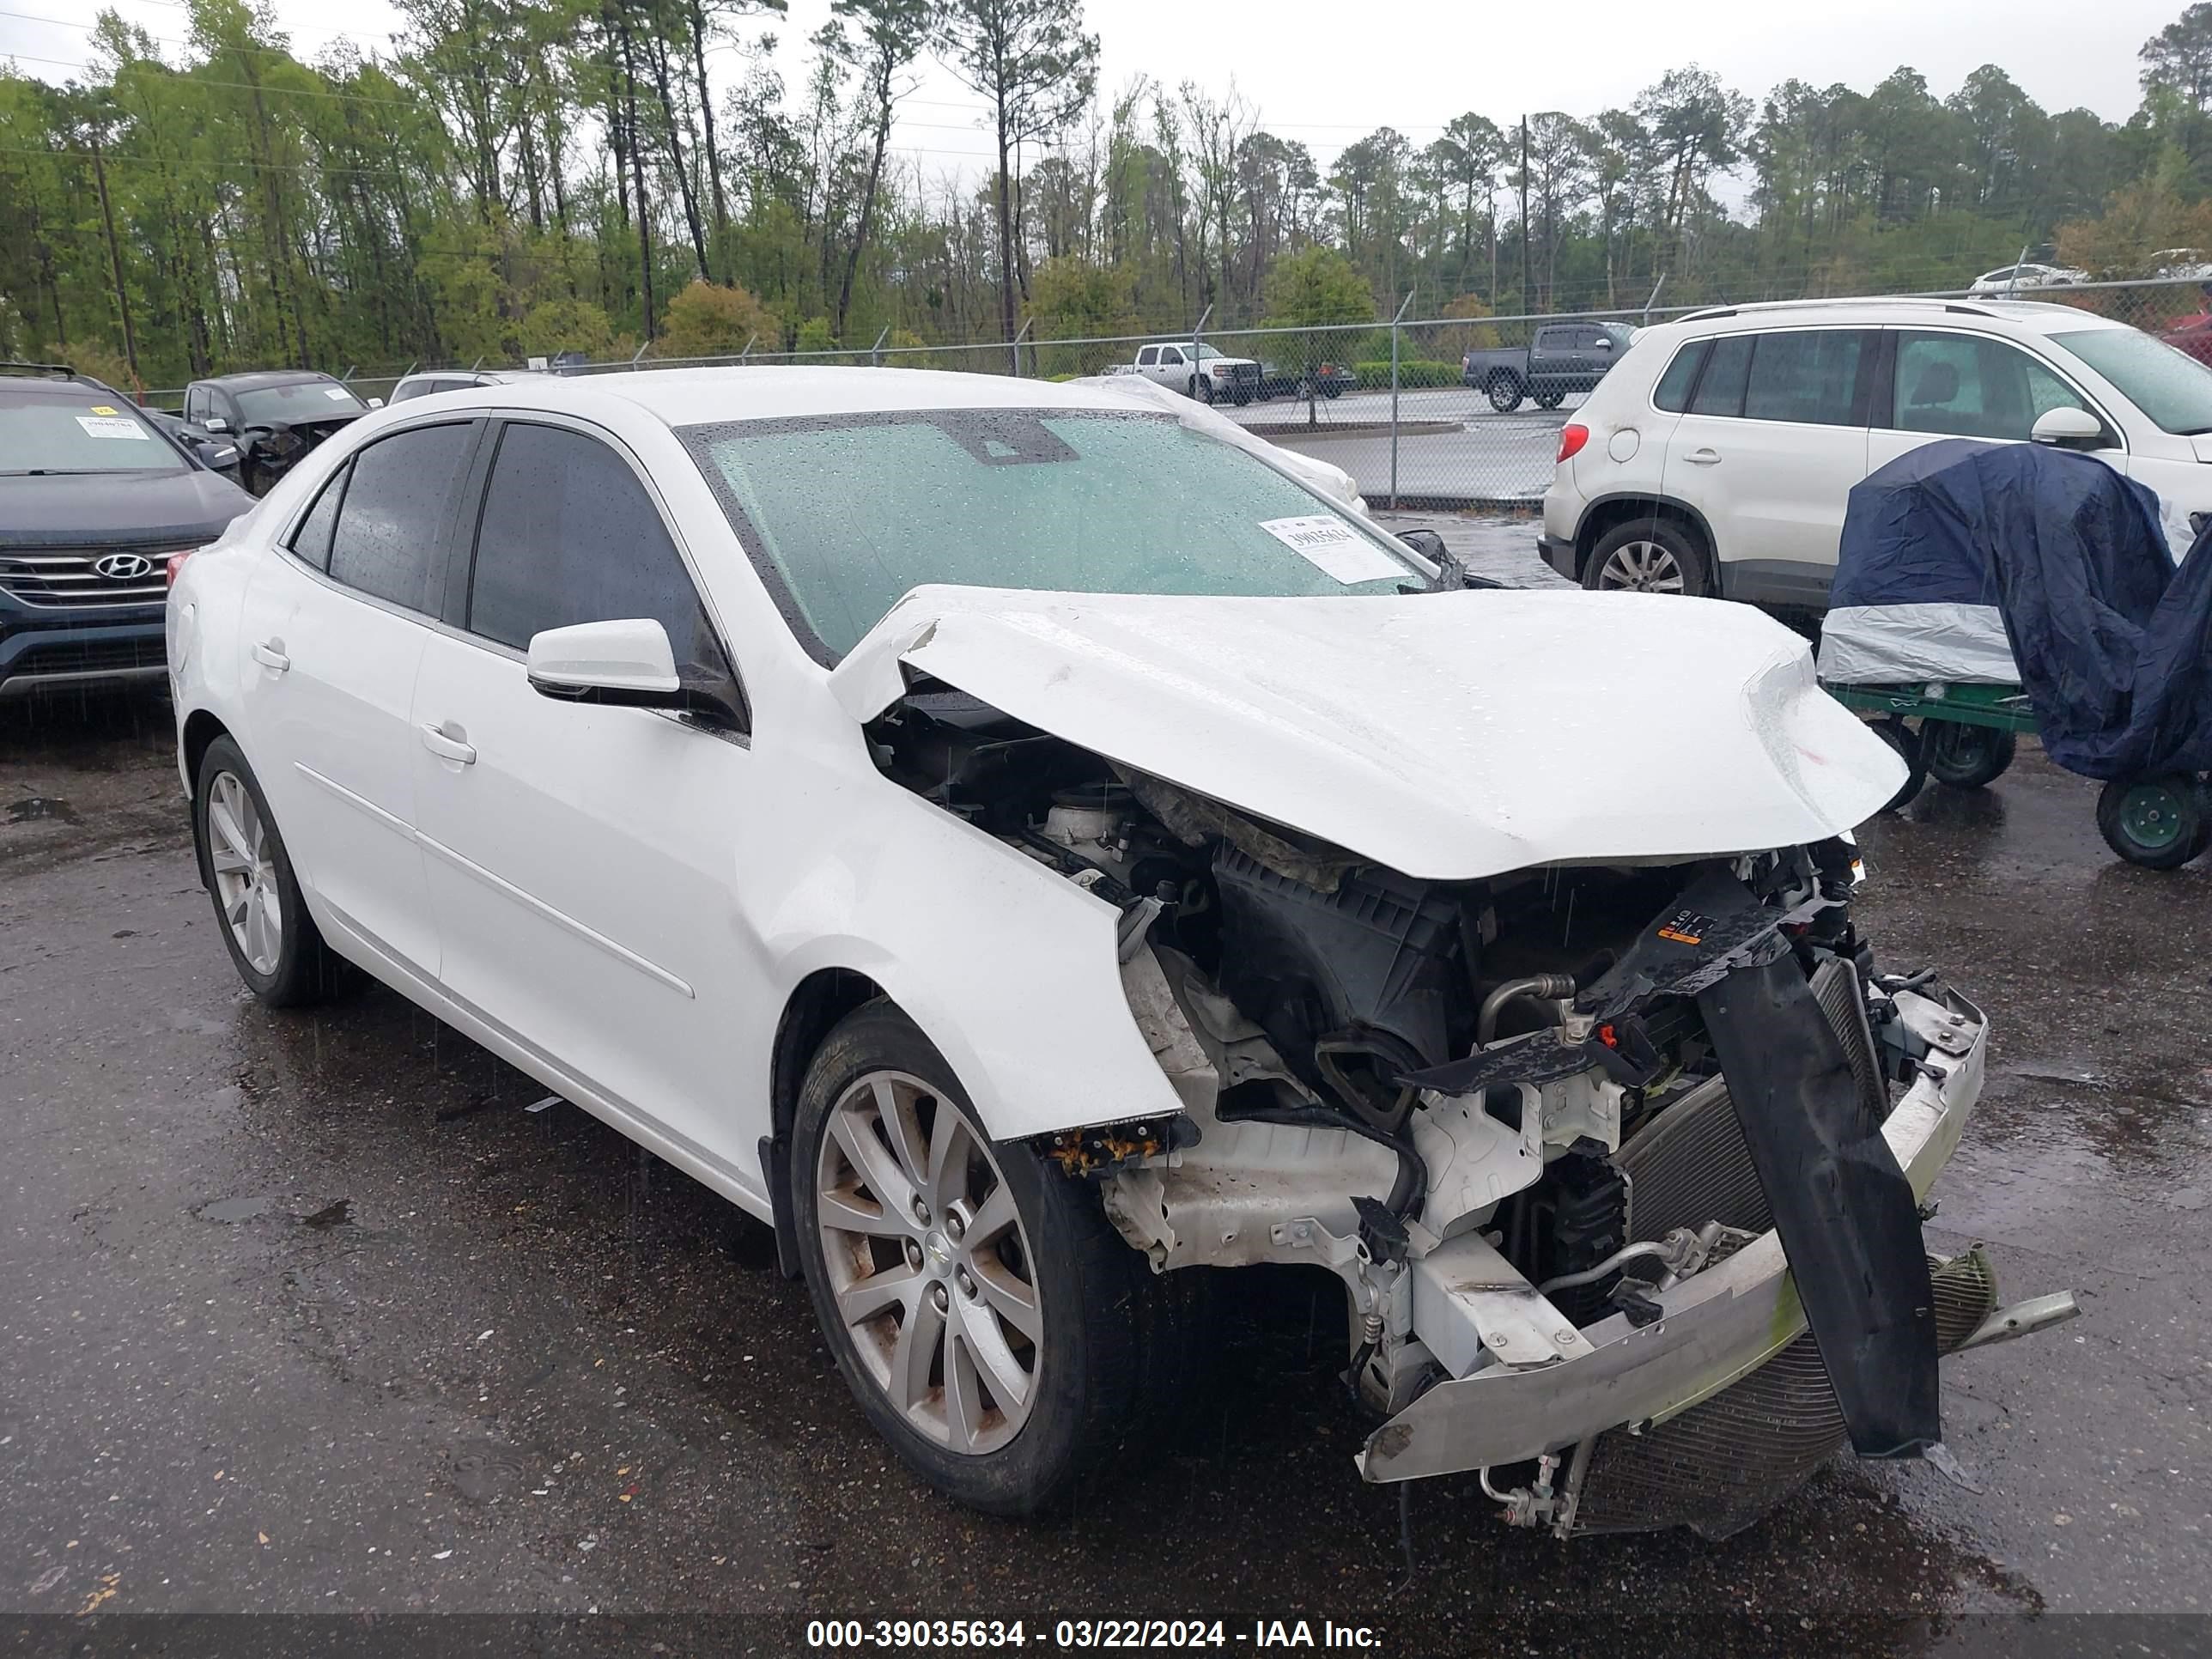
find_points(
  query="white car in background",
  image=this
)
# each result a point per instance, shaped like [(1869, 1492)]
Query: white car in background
[(2011, 279), (1023, 848), (1717, 457)]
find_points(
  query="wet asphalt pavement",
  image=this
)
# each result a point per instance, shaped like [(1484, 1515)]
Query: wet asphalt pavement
[(306, 1315)]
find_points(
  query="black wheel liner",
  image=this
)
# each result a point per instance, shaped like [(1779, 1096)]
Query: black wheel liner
[(1850, 1224)]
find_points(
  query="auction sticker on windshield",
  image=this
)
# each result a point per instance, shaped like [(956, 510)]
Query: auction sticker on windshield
[(1333, 547), (111, 425)]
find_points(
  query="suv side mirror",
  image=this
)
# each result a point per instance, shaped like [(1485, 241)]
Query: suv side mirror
[(376, 402), (215, 424), (628, 663), (2069, 429)]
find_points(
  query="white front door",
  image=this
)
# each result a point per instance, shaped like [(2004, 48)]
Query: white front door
[(581, 857), (334, 636), (1773, 438)]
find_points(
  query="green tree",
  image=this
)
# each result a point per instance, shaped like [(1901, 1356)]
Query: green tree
[(704, 321), (1037, 68)]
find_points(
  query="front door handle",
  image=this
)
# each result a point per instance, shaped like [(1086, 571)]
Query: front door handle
[(270, 653), (1703, 458), (439, 742)]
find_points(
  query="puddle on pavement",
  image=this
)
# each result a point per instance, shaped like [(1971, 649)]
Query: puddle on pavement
[(233, 1210), (33, 808)]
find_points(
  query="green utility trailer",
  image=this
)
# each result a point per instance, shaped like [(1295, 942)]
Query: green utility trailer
[(1966, 735)]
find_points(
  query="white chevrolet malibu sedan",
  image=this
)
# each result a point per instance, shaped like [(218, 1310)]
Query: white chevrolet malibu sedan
[(1024, 849)]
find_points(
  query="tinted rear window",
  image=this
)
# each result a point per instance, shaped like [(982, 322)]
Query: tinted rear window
[(1808, 375), (392, 527), (1672, 392), (1720, 388)]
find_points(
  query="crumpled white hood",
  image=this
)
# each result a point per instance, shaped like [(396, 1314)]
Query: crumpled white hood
[(1449, 736)]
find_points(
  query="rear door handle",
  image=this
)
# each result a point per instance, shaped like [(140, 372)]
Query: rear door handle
[(436, 739), (270, 653), (1703, 458)]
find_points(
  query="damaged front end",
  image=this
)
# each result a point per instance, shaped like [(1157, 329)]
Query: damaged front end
[(1620, 1162)]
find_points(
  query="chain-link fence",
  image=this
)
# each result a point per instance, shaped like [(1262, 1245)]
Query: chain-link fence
[(1438, 412)]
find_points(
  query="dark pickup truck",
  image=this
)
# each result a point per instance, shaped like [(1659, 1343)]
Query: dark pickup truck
[(1564, 357)]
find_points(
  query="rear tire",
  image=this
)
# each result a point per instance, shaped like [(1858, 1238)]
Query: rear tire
[(1967, 756), (1551, 396), (1505, 391), (1910, 748), (992, 1262), (274, 943), (1649, 556), (2159, 822)]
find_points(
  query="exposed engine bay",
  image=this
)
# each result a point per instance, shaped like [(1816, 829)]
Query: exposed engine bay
[(1520, 1118)]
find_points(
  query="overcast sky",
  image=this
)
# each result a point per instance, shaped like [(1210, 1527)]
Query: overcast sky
[(1324, 72)]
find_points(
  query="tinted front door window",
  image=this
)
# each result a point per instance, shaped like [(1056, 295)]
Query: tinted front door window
[(570, 535), (392, 527), (1962, 386)]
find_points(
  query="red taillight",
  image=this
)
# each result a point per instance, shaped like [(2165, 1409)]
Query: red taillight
[(1572, 437), (176, 563)]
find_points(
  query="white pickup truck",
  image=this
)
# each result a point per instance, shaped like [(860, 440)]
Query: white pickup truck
[(1200, 371)]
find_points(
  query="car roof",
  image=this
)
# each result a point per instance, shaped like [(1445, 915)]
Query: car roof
[(247, 380), (2038, 316), (696, 396), (71, 390), (476, 376)]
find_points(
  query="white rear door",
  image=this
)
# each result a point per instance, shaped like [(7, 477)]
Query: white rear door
[(335, 631), (1773, 438)]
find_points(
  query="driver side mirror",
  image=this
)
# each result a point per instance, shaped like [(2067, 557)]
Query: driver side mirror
[(2069, 429), (215, 424), (628, 663)]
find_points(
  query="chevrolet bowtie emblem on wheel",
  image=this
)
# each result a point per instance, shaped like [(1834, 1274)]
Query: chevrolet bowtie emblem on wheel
[(123, 566)]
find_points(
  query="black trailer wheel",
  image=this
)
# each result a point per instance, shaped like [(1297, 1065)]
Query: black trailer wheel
[(1967, 756), (1332, 390), (2160, 822), (1907, 743), (1506, 390)]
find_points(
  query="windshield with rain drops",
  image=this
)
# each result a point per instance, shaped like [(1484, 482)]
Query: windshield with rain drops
[(846, 514)]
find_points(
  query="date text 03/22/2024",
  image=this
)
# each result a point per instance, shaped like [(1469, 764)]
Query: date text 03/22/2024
[(1085, 1633)]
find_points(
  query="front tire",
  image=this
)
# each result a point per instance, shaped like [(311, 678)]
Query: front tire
[(273, 941), (991, 1325), (1649, 556)]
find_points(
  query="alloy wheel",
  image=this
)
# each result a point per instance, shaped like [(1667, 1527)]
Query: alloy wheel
[(244, 859), (929, 1264), (1642, 568)]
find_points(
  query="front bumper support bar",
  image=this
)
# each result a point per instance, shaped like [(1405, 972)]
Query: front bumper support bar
[(1717, 1327)]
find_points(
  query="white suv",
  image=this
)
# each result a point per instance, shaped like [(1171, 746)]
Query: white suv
[(1717, 457)]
